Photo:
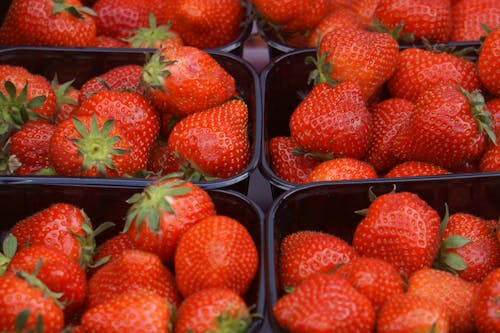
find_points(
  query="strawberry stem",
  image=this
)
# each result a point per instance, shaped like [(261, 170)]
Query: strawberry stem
[(61, 6), (150, 35), (480, 113)]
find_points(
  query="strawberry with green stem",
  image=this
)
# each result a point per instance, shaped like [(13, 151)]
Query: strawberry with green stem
[(155, 36), (341, 168)]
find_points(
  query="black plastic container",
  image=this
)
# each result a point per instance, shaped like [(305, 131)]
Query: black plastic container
[(331, 208), (83, 64), (108, 204)]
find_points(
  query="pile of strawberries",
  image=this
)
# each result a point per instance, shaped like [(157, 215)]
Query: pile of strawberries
[(405, 271), (177, 266)]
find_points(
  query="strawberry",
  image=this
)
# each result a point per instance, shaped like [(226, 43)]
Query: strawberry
[(332, 120), (490, 160), (376, 279), (493, 107), (211, 143), (388, 117), (133, 311), (111, 249), (118, 19), (449, 291), (366, 57), (424, 19), (418, 70), (342, 168), (155, 36), (448, 127), (217, 251), (469, 247), (30, 145), (170, 73), (208, 23), (412, 313), (488, 60), (158, 158), (213, 310), (66, 99), (401, 229), (305, 253), (108, 42), (161, 214), (486, 305), (27, 308), (365, 9), (325, 303), (48, 23), (288, 162), (416, 168), (470, 16), (93, 146), (133, 270)]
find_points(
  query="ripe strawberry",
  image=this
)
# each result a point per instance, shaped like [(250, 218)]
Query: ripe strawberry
[(449, 291), (158, 158), (320, 304), (469, 247), (133, 311), (288, 162), (133, 270), (418, 70), (66, 99), (488, 60), (93, 146), (338, 18), (108, 42), (416, 168), (48, 23), (424, 19), (469, 16), (342, 168), (161, 214), (490, 160), (305, 253), (376, 279), (486, 305), (170, 73), (211, 143), (111, 249), (213, 310), (25, 307), (448, 127), (401, 229), (208, 23), (332, 120), (155, 36), (366, 57), (412, 313), (215, 252)]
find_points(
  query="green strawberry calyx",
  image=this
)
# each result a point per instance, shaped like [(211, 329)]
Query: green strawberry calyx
[(154, 200), (61, 6), (150, 35), (321, 74), (234, 321), (9, 249), (480, 113), (61, 91), (190, 171), (155, 72), (396, 32)]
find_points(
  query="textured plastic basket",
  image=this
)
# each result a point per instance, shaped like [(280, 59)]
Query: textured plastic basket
[(331, 208), (108, 204), (83, 64)]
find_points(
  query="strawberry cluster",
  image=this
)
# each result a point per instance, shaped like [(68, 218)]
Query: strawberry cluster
[(177, 266)]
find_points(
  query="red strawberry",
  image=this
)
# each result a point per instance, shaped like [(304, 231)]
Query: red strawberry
[(449, 291), (133, 270), (401, 229), (424, 19), (332, 120), (339, 18), (418, 70), (133, 311), (162, 212), (158, 158), (365, 9), (490, 160), (376, 279), (155, 36), (288, 162), (412, 313), (325, 303), (66, 99), (111, 249), (213, 309), (488, 60), (486, 306), (469, 16), (448, 127), (416, 168), (108, 42), (305, 253), (215, 252), (28, 307), (388, 117), (48, 23), (170, 73), (366, 57), (342, 168), (211, 143), (208, 23), (469, 247)]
